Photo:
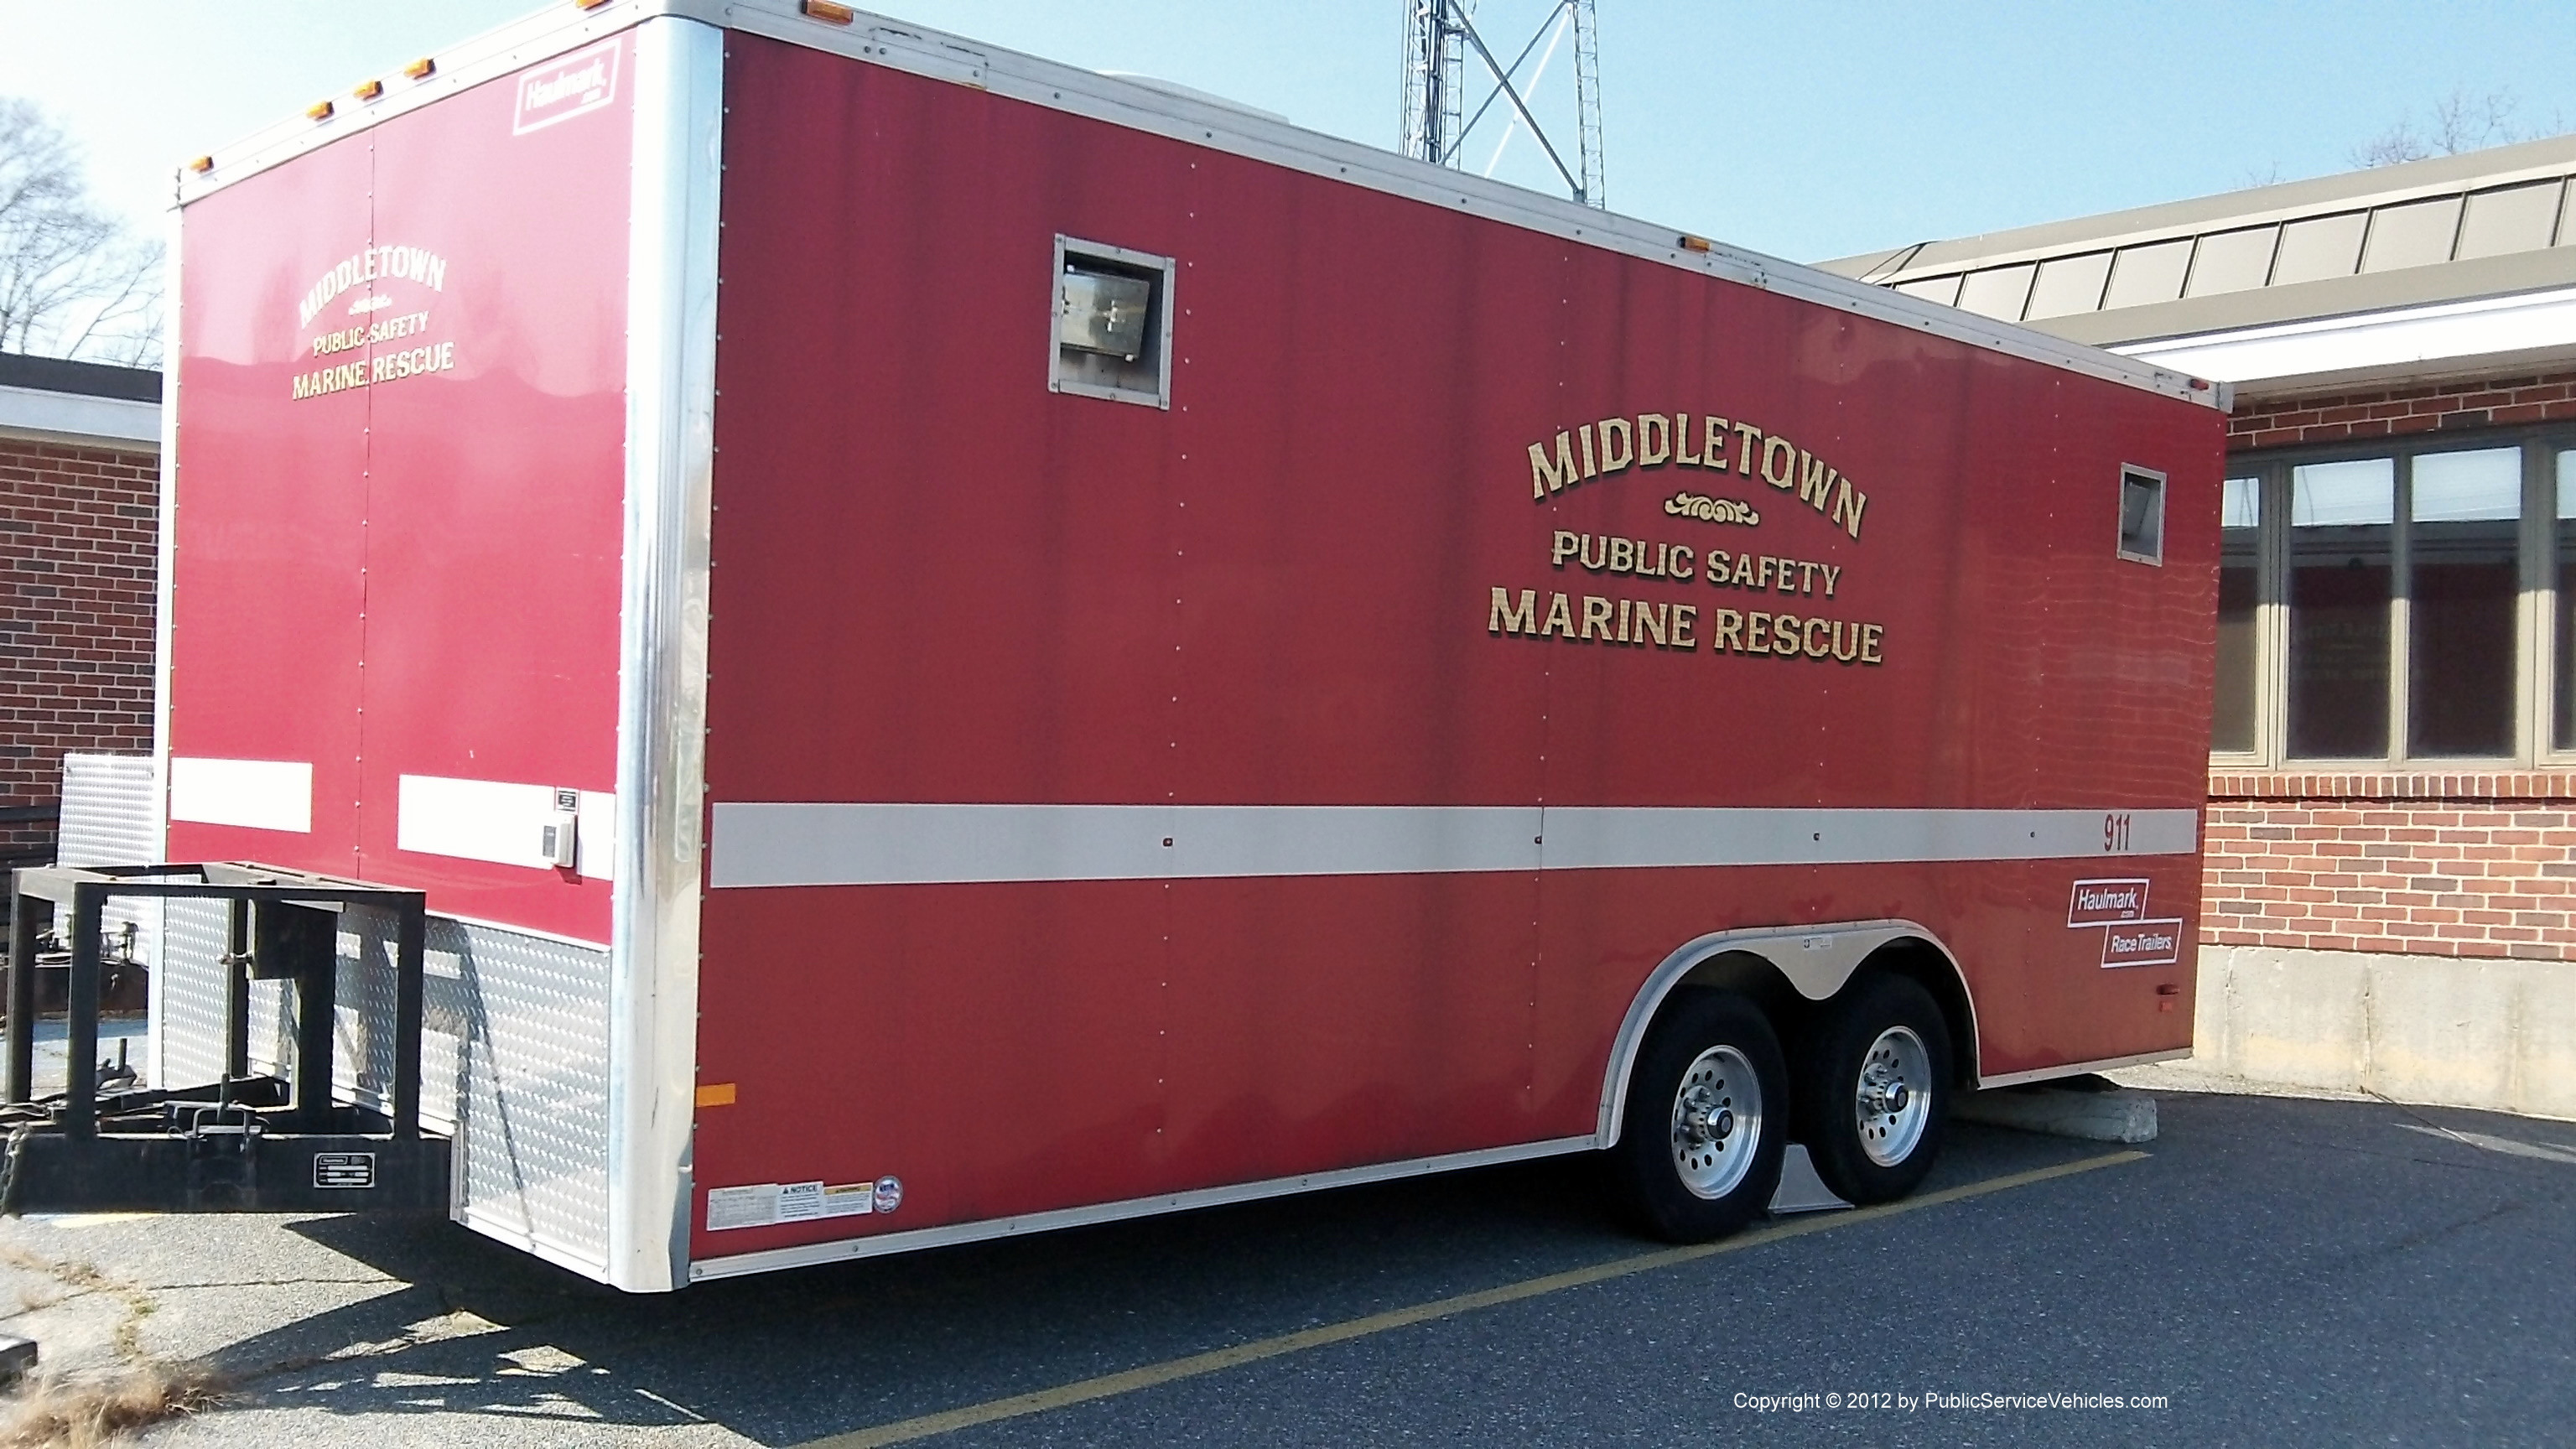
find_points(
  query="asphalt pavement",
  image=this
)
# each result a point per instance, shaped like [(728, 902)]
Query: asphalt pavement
[(2269, 1271)]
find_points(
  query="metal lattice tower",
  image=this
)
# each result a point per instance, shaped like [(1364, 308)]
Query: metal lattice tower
[(1440, 35)]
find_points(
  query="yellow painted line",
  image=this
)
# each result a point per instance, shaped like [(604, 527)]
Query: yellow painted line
[(905, 1431)]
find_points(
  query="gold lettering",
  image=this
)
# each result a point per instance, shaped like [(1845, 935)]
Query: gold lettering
[(1508, 620), (1564, 545), (1596, 612), (1654, 439), (1623, 556), (1622, 636), (1748, 435), (1584, 435), (1720, 568), (1653, 621), (1713, 437), (1683, 564), (1815, 480), (1784, 635), (1831, 573), (1681, 442), (1559, 620), (1745, 577), (1550, 477), (1729, 632), (1869, 635), (1755, 642), (1787, 453), (1816, 648), (1684, 615), (1842, 655), (1616, 459), (1847, 506)]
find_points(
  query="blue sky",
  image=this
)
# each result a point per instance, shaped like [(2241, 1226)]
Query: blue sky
[(1808, 130)]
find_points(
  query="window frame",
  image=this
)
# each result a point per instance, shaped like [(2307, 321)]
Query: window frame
[(2535, 602)]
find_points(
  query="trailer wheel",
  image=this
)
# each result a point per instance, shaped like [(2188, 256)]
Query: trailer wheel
[(1699, 1152), (1873, 1090)]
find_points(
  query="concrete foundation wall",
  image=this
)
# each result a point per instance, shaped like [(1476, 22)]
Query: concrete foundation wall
[(2451, 1030)]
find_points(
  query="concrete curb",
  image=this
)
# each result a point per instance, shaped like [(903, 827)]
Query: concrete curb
[(2118, 1116)]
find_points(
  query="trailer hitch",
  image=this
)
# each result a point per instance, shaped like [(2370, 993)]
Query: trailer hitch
[(245, 1142)]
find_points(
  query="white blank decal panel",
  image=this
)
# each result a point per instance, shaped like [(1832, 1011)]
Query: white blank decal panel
[(499, 822), (253, 794), (861, 844)]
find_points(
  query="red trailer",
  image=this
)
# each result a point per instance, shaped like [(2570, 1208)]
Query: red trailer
[(960, 646)]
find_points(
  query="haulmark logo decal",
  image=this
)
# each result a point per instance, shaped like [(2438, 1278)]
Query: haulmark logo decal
[(2129, 937), (569, 86)]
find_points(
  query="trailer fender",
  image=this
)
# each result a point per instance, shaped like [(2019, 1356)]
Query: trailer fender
[(1814, 962)]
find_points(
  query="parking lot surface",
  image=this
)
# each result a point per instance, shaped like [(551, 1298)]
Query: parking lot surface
[(2269, 1271)]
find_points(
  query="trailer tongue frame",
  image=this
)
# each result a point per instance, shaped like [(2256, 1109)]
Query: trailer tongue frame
[(247, 1142)]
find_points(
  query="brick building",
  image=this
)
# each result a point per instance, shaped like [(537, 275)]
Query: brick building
[(2390, 897), (80, 468)]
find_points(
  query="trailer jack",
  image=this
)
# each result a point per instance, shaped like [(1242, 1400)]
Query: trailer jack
[(246, 1142)]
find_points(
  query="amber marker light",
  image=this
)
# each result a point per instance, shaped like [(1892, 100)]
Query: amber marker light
[(202, 165), (588, 4), (421, 69), (826, 11), (1690, 243), (369, 90), (318, 111)]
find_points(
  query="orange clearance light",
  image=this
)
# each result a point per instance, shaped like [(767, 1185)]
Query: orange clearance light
[(318, 111), (421, 69), (588, 4), (202, 165), (716, 1094), (369, 90), (825, 10), (1690, 243)]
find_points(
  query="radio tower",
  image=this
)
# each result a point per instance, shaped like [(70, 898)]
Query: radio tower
[(1440, 36)]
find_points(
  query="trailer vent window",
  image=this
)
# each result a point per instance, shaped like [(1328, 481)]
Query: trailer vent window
[(1113, 323), (2142, 515)]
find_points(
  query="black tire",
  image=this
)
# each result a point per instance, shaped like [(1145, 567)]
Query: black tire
[(1866, 1158), (1741, 1101)]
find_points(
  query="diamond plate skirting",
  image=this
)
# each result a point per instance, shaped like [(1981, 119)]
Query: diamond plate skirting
[(514, 1060)]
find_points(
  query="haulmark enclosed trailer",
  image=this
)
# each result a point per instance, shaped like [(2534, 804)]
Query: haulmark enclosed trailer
[(959, 646)]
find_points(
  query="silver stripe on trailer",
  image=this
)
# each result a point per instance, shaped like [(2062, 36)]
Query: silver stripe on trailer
[(822, 844)]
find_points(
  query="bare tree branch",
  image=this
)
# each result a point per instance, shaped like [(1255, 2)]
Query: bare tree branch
[(2460, 122), (73, 280)]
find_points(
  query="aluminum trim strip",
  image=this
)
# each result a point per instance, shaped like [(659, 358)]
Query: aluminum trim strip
[(817, 844), (662, 680), (1817, 960), (166, 554), (2076, 1069), (1143, 107), (847, 1249)]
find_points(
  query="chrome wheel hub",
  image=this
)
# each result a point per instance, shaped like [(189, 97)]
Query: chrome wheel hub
[(1892, 1104), (1717, 1122)]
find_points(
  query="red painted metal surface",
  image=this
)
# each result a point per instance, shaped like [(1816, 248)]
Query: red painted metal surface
[(418, 575), (939, 582)]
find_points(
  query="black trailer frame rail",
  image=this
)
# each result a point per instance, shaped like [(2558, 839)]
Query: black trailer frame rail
[(244, 1143)]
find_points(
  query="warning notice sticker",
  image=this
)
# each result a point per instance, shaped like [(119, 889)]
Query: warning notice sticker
[(767, 1204), (753, 1206)]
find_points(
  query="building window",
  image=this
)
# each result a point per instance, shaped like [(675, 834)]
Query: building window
[(2240, 583), (2399, 605)]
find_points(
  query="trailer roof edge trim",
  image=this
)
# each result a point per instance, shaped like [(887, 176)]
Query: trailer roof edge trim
[(921, 50)]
